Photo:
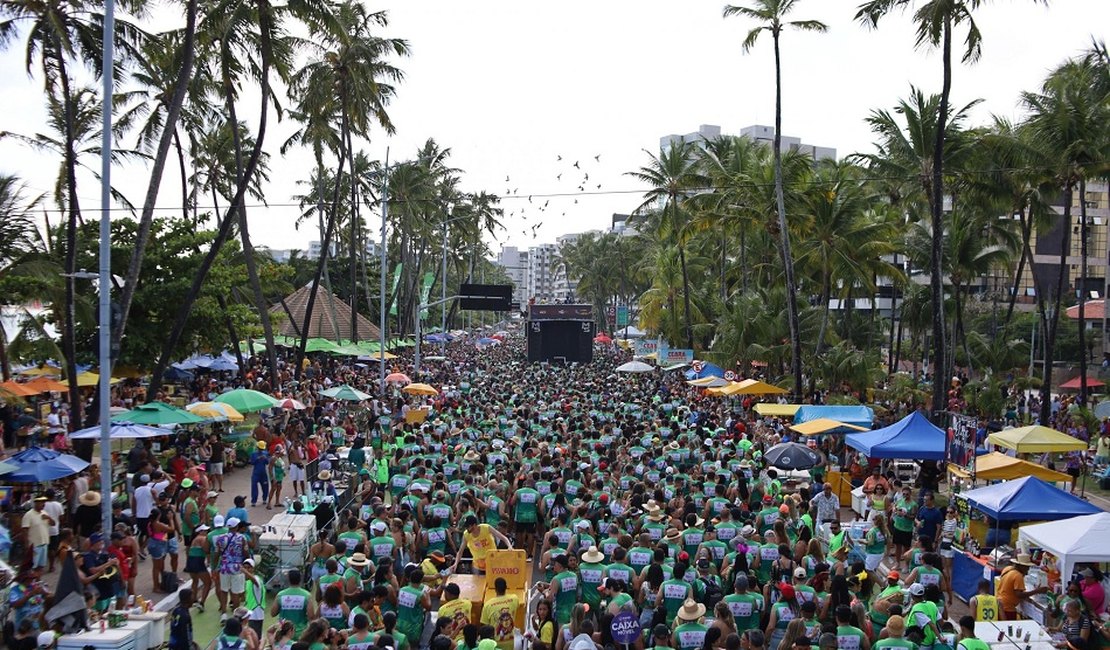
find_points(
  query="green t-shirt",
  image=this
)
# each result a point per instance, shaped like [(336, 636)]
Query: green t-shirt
[(567, 596), (904, 521), (849, 637), (639, 557), (591, 575), (875, 542), (675, 593), (410, 611), (293, 607), (690, 636), (745, 609), (524, 508), (382, 547), (902, 643), (921, 615), (618, 571), (348, 540)]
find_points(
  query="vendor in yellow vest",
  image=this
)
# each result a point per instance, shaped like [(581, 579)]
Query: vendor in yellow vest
[(983, 605), (499, 612), (481, 540)]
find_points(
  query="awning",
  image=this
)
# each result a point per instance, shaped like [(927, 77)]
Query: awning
[(997, 466), (825, 425), (1035, 440), (777, 410)]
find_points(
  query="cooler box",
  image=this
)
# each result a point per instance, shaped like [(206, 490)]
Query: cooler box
[(471, 588), (143, 630), (119, 638), (159, 626), (289, 535), (512, 565)]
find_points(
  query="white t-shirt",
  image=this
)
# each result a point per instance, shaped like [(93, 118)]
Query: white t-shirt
[(55, 510), (159, 487), (144, 501)]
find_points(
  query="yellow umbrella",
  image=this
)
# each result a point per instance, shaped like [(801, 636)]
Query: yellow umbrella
[(756, 387), (824, 425), (1035, 439), (720, 391), (997, 466), (777, 410), (383, 355), (419, 389), (42, 371), (215, 410), (86, 379)]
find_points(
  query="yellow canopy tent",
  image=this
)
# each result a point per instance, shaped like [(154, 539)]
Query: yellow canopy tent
[(777, 410), (717, 391), (825, 425), (41, 371), (997, 466), (709, 382), (757, 387), (1035, 439), (86, 379)]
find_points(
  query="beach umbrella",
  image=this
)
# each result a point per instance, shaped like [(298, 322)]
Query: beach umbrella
[(121, 430), (7, 468), (791, 455), (41, 371), (397, 378), (157, 413), (46, 385), (215, 411), (420, 389), (603, 339), (246, 400), (173, 374), (290, 404), (16, 389), (345, 393), (38, 465), (635, 366), (87, 379)]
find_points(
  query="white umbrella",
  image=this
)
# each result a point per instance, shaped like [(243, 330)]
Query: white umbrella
[(635, 366), (120, 430)]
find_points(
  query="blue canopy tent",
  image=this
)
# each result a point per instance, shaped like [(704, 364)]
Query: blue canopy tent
[(911, 437), (1027, 499), (39, 465), (861, 416), (707, 370)]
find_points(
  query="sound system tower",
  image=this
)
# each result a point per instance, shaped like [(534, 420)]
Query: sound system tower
[(561, 333)]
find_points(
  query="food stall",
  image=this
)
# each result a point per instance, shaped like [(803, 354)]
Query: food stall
[(1026, 499), (912, 437), (1079, 540)]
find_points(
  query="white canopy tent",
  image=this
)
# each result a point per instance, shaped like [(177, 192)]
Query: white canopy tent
[(1072, 541), (629, 332)]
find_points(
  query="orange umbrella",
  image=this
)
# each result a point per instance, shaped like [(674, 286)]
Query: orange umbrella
[(17, 389), (46, 384)]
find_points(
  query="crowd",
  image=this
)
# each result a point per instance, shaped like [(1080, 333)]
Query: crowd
[(628, 493)]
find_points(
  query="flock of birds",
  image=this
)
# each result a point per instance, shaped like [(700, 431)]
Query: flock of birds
[(536, 210)]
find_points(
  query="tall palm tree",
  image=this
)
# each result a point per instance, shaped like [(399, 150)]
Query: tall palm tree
[(935, 21), (21, 248), (1070, 122), (671, 177), (772, 16)]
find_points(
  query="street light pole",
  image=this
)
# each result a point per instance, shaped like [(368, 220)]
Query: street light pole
[(381, 272), (443, 291), (105, 329)]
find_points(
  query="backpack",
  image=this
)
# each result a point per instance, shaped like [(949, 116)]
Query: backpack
[(711, 593)]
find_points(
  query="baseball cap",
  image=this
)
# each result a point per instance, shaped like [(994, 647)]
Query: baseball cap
[(249, 561), (233, 522), (917, 589), (894, 575), (799, 573), (45, 639), (218, 521)]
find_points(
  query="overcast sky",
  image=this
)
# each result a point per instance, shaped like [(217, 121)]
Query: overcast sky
[(510, 85)]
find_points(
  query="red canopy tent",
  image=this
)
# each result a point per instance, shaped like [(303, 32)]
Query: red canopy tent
[(1073, 384)]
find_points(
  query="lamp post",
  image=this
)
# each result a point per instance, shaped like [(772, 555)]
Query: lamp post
[(443, 276)]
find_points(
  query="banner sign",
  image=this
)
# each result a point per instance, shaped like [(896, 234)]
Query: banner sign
[(622, 316), (644, 347), (961, 442), (426, 292), (396, 281), (672, 356)]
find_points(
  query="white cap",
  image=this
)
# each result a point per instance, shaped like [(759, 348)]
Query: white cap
[(378, 525), (218, 521), (46, 639), (917, 589), (233, 522)]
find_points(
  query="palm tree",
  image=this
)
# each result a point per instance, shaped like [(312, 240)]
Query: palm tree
[(1070, 122), (21, 249), (935, 21), (671, 177), (772, 14)]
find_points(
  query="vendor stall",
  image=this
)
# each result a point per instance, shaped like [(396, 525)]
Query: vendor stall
[(861, 416), (911, 437), (997, 466), (1071, 541), (1035, 440)]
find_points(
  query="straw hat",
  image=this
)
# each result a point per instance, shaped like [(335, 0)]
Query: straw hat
[(690, 610), (1022, 559), (325, 475), (651, 506), (90, 498), (358, 559), (593, 555), (656, 516), (471, 456), (672, 535), (896, 625)]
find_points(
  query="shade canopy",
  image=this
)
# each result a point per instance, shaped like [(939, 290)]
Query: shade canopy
[(158, 413), (911, 437), (1075, 540), (1074, 384), (861, 416), (825, 425), (420, 389), (634, 367), (709, 382), (245, 400), (38, 465), (41, 371), (777, 410), (121, 431), (1027, 499), (706, 370), (46, 385), (997, 466), (757, 387), (345, 393), (16, 389), (629, 332), (87, 379), (331, 316), (1035, 439)]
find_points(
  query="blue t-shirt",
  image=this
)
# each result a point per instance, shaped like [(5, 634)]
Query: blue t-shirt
[(260, 460), (930, 519), (238, 513)]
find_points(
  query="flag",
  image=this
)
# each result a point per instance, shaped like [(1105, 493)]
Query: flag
[(396, 281)]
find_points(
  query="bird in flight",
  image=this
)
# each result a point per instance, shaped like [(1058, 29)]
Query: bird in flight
[(529, 198), (587, 177), (506, 179), (599, 186), (597, 158), (576, 165), (559, 177), (559, 158)]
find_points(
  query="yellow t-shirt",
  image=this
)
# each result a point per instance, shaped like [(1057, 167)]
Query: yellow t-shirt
[(480, 545), (457, 611), (500, 612), (986, 608)]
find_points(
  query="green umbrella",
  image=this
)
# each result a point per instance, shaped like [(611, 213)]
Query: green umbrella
[(345, 393), (320, 345), (245, 400), (157, 413)]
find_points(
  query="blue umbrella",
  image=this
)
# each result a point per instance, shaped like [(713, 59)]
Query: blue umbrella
[(173, 373), (121, 430), (38, 465)]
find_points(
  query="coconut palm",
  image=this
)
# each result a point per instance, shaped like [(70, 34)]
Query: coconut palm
[(22, 253), (772, 16)]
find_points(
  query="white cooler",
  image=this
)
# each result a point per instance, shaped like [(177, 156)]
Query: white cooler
[(158, 629), (120, 638), (291, 536)]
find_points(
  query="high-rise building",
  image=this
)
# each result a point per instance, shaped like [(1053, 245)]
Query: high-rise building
[(515, 263), (314, 248), (541, 272), (756, 132)]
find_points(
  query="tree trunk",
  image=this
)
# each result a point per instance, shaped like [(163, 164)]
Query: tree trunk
[(225, 227), (1054, 320), (686, 297), (354, 238), (826, 291), (169, 131), (5, 367), (784, 236), (69, 344), (936, 255), (1026, 234), (258, 297), (1083, 295)]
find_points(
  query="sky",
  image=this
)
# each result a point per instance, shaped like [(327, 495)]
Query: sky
[(510, 86)]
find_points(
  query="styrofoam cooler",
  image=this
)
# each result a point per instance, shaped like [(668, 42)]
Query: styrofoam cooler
[(119, 638), (291, 536), (159, 626), (143, 629)]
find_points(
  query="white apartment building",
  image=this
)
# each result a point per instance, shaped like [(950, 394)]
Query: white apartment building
[(541, 272), (515, 263), (756, 132)]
